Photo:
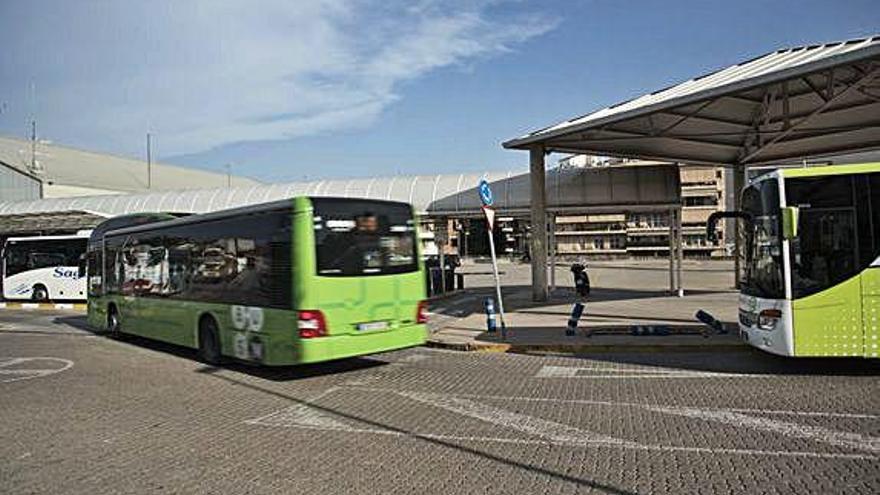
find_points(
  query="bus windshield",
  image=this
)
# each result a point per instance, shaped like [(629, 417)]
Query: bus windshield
[(357, 238), (761, 253)]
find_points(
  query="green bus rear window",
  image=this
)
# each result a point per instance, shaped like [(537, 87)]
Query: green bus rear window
[(362, 237)]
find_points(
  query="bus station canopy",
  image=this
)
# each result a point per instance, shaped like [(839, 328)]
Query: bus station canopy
[(790, 104)]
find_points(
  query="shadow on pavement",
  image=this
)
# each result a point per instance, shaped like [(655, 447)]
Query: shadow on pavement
[(75, 321), (275, 373), (518, 298), (298, 372), (587, 315)]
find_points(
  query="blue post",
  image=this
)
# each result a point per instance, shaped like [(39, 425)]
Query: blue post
[(710, 322), (576, 311), (489, 305)]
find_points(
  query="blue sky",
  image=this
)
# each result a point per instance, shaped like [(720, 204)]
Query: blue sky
[(286, 90)]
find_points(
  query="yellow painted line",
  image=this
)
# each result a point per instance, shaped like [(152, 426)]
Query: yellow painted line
[(43, 306)]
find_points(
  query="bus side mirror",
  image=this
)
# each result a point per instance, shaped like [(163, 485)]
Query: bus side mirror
[(790, 222), (712, 222), (81, 267)]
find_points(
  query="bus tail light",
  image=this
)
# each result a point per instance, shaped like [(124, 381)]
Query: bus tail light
[(422, 312), (767, 318), (311, 324)]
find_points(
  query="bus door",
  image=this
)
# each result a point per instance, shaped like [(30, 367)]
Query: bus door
[(825, 267), (870, 280), (868, 201), (826, 284)]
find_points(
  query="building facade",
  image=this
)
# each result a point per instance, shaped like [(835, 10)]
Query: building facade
[(704, 190), (63, 172), (18, 185)]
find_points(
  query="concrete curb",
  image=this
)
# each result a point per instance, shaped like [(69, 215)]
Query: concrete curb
[(585, 348), (469, 346), (43, 306)]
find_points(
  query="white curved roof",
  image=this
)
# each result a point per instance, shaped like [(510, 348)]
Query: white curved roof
[(640, 187), (421, 191)]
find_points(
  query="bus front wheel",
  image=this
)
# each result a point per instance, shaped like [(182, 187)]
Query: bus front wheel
[(40, 293), (209, 341)]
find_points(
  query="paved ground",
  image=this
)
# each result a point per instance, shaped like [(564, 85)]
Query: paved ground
[(84, 414), (625, 295)]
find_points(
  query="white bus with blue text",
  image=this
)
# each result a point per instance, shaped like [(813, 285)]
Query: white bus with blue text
[(44, 268)]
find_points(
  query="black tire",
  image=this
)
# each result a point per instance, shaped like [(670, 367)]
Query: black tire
[(40, 293), (114, 325), (209, 342)]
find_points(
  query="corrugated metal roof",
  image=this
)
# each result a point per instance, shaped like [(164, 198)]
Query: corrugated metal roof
[(770, 68), (629, 187), (72, 167)]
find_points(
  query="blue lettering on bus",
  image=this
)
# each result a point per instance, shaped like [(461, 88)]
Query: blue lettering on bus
[(61, 272)]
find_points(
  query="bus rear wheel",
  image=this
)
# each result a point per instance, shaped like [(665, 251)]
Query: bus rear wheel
[(209, 341), (40, 293), (113, 324)]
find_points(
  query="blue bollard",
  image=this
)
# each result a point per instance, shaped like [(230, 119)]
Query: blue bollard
[(576, 311), (710, 322), (489, 305)]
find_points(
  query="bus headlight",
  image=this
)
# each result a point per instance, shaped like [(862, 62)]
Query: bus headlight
[(767, 318)]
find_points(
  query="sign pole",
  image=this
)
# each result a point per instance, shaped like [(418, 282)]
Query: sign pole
[(489, 220), (487, 199)]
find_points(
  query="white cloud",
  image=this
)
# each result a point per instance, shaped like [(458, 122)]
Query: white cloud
[(209, 73)]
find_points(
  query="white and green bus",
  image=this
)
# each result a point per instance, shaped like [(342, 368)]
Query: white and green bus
[(809, 252), (295, 281)]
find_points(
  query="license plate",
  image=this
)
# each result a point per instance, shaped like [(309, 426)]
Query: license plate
[(373, 325)]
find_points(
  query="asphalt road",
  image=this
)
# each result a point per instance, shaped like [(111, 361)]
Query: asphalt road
[(85, 414)]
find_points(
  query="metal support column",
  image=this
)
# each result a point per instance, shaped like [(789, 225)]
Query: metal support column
[(552, 236), (679, 251), (441, 231), (739, 181), (539, 224), (672, 251)]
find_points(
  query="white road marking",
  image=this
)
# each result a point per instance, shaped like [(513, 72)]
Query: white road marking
[(539, 442), (816, 433), (306, 417), (587, 402), (46, 366), (606, 373), (412, 358), (557, 372), (822, 414), (300, 415), (550, 430), (303, 415)]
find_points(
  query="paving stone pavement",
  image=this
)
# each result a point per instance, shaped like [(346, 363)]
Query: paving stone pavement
[(627, 295), (139, 417)]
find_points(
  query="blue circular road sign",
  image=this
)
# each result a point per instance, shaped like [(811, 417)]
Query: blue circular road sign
[(485, 193)]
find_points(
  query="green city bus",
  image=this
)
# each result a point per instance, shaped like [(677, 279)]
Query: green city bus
[(809, 273), (295, 281)]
